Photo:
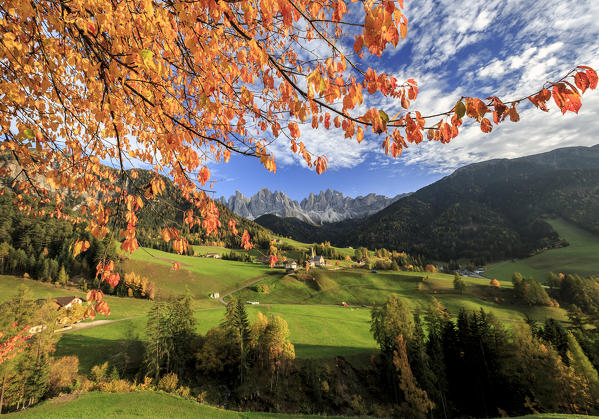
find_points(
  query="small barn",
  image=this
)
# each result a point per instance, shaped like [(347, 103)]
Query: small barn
[(67, 302)]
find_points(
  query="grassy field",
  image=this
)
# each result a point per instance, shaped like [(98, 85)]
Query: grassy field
[(120, 308), (316, 332), (581, 256), (145, 404), (197, 276), (361, 287), (156, 405)]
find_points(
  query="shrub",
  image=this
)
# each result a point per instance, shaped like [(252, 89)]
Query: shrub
[(183, 391), (99, 373), (169, 382), (146, 384), (117, 386), (495, 283), (458, 284), (263, 289), (63, 373), (431, 268)]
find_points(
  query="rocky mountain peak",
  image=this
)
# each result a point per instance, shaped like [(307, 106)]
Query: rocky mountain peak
[(324, 207)]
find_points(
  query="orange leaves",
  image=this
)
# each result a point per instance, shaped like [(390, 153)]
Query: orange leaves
[(377, 119), (106, 273), (233, 226), (180, 246), (102, 308), (80, 246), (293, 130), (169, 233), (485, 125), (176, 266), (130, 245), (154, 188), (273, 260), (475, 108), (245, 240), (591, 76), (321, 164), (566, 97), (94, 296), (203, 175), (316, 84), (360, 134), (381, 27), (582, 81)]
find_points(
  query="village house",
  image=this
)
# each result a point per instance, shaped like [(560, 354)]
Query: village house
[(291, 264), (317, 261), (67, 302), (215, 295)]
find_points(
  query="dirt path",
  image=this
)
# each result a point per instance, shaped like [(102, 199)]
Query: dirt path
[(222, 297), (79, 326)]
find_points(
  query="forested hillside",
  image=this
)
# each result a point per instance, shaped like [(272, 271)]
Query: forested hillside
[(483, 212)]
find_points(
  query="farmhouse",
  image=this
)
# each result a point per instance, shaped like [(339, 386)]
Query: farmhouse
[(215, 295), (213, 255), (291, 264), (317, 261), (67, 302)]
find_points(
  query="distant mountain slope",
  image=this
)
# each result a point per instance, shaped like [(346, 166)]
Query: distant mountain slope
[(485, 211), (326, 207)]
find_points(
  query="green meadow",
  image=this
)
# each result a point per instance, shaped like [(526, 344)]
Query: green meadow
[(142, 404), (363, 288), (197, 276), (581, 257), (319, 326)]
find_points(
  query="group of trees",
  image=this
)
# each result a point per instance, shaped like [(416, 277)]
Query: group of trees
[(325, 250), (248, 357), (477, 367), (529, 291), (31, 373), (42, 246)]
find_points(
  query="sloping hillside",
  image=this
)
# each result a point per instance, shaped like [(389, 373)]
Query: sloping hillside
[(486, 211)]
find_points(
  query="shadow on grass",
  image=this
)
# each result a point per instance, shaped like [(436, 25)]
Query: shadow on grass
[(303, 350), (91, 351)]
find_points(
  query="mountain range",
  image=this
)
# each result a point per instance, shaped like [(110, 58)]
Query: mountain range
[(326, 207), (485, 211)]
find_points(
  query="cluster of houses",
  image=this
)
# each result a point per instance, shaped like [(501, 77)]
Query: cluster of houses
[(292, 265)]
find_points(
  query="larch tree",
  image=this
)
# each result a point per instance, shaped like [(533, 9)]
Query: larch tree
[(176, 84)]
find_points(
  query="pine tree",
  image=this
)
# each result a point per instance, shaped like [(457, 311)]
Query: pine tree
[(458, 283), (416, 403), (63, 278)]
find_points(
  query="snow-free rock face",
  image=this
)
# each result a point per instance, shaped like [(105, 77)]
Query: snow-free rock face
[(326, 207)]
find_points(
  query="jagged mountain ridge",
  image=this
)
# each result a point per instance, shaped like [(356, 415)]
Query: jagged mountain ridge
[(325, 207)]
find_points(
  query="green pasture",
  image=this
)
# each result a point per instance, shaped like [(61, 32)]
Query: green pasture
[(581, 257), (316, 332), (141, 404), (197, 276), (360, 287)]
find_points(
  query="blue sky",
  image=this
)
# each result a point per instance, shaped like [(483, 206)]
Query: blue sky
[(506, 48)]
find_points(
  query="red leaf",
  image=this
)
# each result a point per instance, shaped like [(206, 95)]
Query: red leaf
[(582, 81), (485, 125), (591, 75)]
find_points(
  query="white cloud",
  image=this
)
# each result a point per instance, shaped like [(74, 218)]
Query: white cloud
[(507, 48)]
